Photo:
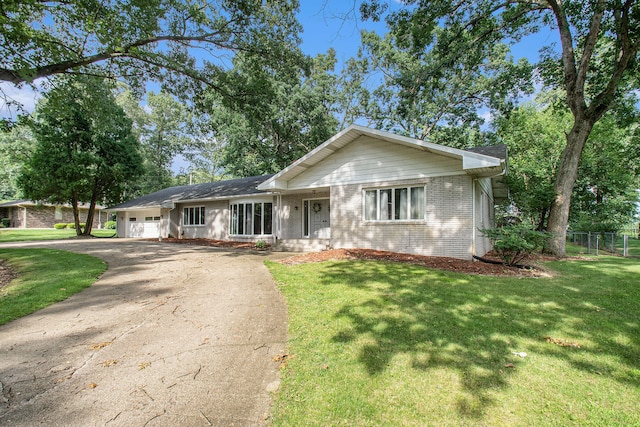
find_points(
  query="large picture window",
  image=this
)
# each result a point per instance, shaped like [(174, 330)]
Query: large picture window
[(394, 204), (251, 218), (193, 216)]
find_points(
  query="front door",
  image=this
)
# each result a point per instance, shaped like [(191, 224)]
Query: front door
[(320, 219)]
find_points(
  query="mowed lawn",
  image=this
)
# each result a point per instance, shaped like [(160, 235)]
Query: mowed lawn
[(44, 277), (30, 234), (384, 344)]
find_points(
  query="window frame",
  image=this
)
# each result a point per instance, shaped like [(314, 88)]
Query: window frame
[(389, 197), (240, 224), (194, 216)]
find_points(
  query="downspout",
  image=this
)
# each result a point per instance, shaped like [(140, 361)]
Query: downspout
[(473, 217), (278, 216)]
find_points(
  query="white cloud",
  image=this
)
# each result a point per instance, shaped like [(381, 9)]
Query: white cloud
[(25, 96)]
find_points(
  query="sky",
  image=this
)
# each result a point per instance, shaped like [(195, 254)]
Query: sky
[(326, 24)]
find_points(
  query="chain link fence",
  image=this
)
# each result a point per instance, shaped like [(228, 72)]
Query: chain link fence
[(595, 242)]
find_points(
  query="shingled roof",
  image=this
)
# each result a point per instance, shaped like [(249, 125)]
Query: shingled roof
[(497, 151), (210, 191)]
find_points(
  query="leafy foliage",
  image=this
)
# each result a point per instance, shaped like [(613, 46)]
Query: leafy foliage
[(162, 128), (596, 66), (515, 243), (16, 144), (415, 95), (139, 39), (282, 113), (85, 150)]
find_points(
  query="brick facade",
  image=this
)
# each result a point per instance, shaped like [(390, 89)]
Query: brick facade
[(446, 231), (40, 216)]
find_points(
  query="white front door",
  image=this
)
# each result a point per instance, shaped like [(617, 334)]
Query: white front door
[(320, 221)]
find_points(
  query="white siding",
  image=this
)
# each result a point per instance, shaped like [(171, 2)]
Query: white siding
[(372, 160)]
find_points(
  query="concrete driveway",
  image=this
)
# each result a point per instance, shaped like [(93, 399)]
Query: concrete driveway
[(171, 335)]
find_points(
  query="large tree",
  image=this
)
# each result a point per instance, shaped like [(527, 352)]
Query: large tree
[(158, 39), (598, 59), (408, 91), (16, 144), (85, 151), (162, 127), (605, 194), (281, 113)]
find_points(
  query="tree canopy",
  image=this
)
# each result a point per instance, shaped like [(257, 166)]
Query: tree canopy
[(157, 39), (596, 65)]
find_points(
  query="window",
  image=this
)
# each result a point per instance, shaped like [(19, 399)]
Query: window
[(193, 216), (394, 204), (251, 218)]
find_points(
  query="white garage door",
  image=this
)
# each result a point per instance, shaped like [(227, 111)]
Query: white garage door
[(144, 225)]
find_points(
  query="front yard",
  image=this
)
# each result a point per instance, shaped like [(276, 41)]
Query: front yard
[(379, 343), (30, 234)]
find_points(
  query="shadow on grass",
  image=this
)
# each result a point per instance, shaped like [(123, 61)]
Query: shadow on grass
[(474, 324)]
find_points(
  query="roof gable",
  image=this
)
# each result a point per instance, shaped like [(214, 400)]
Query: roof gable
[(472, 162)]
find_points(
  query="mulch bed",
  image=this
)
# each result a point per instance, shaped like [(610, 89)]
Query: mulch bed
[(6, 273), (441, 263)]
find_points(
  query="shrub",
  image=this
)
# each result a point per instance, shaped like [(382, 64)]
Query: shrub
[(60, 225), (5, 223), (110, 225), (71, 225), (515, 243), (261, 244)]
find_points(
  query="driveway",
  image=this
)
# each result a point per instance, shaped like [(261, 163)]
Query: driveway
[(171, 335)]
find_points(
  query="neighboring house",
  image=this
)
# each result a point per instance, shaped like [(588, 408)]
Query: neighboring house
[(362, 188), (30, 214)]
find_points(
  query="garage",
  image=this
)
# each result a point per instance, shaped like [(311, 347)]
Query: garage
[(143, 224)]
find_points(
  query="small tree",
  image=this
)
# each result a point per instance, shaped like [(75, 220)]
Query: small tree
[(515, 243)]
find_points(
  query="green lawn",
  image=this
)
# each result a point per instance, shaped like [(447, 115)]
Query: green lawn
[(27, 234), (383, 344), (45, 276)]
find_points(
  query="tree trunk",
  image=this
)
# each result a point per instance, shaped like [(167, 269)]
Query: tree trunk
[(76, 213), (90, 215), (565, 180), (543, 217)]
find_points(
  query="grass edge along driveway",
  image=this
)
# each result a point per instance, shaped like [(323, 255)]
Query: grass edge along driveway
[(45, 276), (374, 343)]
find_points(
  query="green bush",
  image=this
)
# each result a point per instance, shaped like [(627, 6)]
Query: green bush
[(60, 225), (71, 225), (110, 225), (261, 244), (515, 243), (5, 222)]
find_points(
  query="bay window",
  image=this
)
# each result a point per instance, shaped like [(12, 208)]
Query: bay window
[(251, 218)]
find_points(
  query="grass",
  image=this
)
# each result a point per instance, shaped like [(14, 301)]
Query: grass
[(45, 276), (383, 344), (29, 234)]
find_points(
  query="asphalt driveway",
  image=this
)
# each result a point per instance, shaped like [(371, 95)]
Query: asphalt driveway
[(171, 335)]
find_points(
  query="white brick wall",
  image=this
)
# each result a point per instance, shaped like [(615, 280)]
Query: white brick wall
[(447, 230), (217, 221)]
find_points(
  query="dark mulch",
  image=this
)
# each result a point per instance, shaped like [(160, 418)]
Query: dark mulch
[(440, 263), (6, 273)]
